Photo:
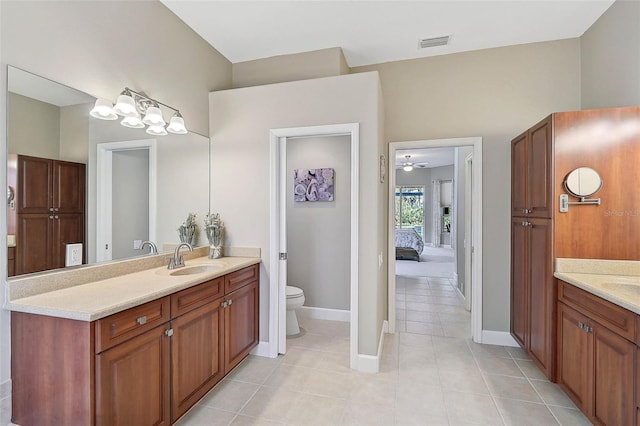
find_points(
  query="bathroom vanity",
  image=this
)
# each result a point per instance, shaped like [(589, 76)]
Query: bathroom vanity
[(139, 348)]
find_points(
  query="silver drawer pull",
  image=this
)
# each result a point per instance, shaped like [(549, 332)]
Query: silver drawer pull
[(142, 320), (230, 302)]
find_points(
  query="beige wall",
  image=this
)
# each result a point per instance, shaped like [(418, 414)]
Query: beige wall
[(34, 127), (332, 100), (610, 52), (78, 44), (74, 133), (495, 94), (279, 69)]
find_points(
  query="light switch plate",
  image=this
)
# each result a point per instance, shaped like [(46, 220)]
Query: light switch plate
[(73, 254)]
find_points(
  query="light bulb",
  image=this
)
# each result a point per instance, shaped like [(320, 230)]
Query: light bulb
[(103, 109)]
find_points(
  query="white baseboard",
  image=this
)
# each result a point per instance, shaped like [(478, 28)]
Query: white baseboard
[(264, 349), (502, 338), (371, 363), (324, 314)]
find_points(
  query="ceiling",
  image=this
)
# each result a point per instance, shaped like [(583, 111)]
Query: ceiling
[(371, 32), (36, 87), (426, 158)]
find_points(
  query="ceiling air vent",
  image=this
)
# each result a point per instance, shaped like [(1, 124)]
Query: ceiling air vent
[(434, 41)]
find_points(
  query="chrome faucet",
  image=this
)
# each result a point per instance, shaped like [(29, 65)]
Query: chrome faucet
[(177, 261), (152, 246)]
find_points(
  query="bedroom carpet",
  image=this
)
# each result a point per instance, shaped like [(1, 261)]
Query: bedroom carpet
[(434, 262)]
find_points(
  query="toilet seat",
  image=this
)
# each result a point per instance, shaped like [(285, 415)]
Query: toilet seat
[(293, 292)]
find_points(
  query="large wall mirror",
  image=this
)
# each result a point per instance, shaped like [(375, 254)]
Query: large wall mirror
[(144, 186)]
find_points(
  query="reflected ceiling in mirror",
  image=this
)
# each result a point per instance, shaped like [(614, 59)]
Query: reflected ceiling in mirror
[(50, 121)]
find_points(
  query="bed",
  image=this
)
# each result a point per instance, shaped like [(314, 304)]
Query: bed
[(409, 244)]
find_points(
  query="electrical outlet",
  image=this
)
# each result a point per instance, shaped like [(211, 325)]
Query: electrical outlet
[(73, 255), (137, 244)]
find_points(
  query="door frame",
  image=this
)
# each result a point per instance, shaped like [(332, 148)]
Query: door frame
[(476, 267), (468, 230), (277, 230), (104, 195)]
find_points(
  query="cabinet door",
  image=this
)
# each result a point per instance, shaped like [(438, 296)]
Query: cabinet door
[(33, 243), (519, 281), (196, 355), (240, 324), (519, 164), (67, 229), (34, 184), (574, 371), (69, 187), (539, 170), (614, 361), (132, 381), (542, 296)]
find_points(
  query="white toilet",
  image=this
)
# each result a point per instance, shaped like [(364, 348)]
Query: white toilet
[(295, 299)]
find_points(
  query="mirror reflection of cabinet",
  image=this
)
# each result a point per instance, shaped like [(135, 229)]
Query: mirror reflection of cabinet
[(50, 211)]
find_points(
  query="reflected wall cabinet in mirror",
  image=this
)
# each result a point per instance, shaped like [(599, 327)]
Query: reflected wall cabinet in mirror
[(55, 175), (48, 211)]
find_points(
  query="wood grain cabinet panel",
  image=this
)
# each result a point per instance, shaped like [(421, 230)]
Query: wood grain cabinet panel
[(573, 356), (240, 324)]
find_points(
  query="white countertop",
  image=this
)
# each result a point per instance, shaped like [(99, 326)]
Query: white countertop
[(98, 299), (615, 281)]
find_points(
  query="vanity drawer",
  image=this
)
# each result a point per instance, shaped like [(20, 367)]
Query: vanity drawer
[(196, 296), (612, 316), (235, 280), (124, 325)]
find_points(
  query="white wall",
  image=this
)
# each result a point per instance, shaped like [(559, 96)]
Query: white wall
[(240, 124), (318, 233)]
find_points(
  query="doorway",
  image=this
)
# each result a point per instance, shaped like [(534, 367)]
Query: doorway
[(119, 163), (474, 226), (278, 231)]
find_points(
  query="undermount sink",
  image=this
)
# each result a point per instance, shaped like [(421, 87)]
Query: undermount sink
[(197, 269)]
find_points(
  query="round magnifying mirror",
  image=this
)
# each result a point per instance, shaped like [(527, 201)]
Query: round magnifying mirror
[(583, 182)]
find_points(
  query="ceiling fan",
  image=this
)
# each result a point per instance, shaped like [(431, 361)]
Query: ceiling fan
[(407, 166)]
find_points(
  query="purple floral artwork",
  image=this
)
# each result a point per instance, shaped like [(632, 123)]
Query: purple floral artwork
[(313, 184)]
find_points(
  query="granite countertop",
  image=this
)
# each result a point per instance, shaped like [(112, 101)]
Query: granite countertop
[(98, 299), (617, 281)]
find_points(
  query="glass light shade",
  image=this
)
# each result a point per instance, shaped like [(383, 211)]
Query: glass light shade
[(176, 125), (103, 109), (126, 106), (133, 122), (156, 130), (153, 117), (407, 168)]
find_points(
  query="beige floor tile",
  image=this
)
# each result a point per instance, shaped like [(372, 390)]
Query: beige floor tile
[(472, 408), (488, 350), (463, 315), (241, 420), (315, 410), (420, 397), (442, 300), (422, 316), (328, 383), (371, 390), (339, 344), (457, 329), (420, 417), (416, 340), (310, 341), (229, 395), (417, 292), (450, 345), (411, 376), (424, 328), (502, 366), (368, 414), (335, 361), (401, 326), (301, 356), (401, 314), (551, 394), (271, 404), (201, 415), (462, 361), (424, 297), (290, 377), (569, 416), (517, 353), (511, 387), (254, 369), (463, 381), (522, 413), (531, 370)]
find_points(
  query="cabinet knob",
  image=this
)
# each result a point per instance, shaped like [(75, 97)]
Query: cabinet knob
[(230, 302), (56, 217), (142, 320), (169, 332), (50, 217), (56, 209), (224, 304), (50, 209), (526, 223)]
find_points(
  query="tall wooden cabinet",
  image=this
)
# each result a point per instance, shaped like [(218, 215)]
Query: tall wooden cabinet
[(532, 283), (50, 212)]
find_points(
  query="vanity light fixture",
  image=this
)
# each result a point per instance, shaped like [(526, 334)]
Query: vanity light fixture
[(139, 110)]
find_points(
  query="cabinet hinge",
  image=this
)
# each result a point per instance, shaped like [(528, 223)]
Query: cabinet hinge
[(283, 256)]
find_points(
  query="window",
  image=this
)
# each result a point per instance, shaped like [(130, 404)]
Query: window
[(410, 208)]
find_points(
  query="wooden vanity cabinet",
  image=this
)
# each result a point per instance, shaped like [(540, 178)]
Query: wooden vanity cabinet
[(597, 356), (144, 366)]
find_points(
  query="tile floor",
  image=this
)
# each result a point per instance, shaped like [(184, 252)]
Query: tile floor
[(431, 373)]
